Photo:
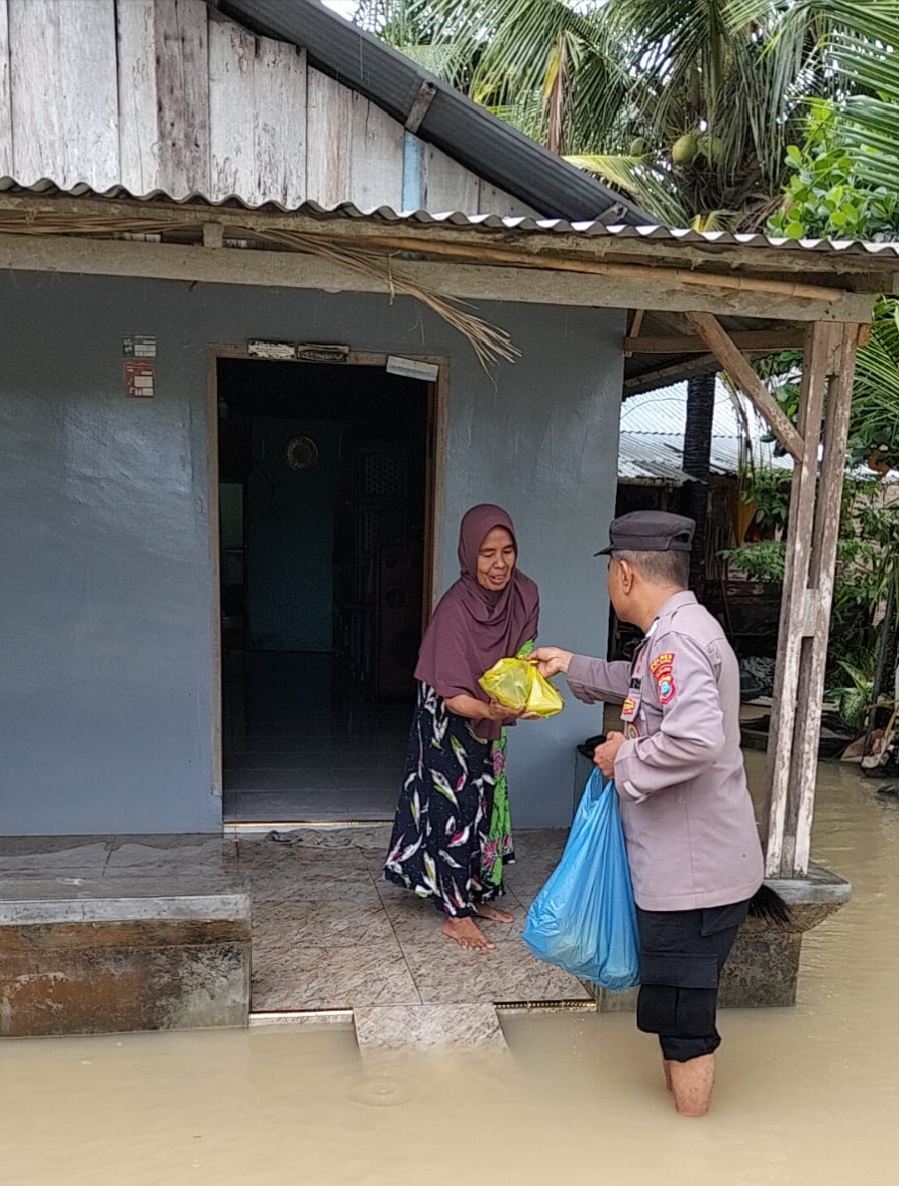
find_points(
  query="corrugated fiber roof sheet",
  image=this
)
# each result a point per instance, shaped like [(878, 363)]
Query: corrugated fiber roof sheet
[(486, 222)]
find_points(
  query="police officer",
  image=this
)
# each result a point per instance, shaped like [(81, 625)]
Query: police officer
[(693, 845)]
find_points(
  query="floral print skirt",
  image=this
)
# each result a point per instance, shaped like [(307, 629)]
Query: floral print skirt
[(452, 832)]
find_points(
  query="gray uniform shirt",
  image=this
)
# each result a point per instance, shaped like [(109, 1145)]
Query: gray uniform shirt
[(688, 819)]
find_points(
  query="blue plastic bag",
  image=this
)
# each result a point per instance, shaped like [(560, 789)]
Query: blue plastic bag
[(584, 919)]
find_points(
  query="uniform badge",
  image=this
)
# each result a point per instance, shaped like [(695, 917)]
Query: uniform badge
[(662, 669), (629, 705)]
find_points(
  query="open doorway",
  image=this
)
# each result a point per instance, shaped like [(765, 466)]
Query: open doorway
[(324, 496)]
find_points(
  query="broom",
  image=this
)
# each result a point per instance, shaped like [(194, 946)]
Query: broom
[(767, 904)]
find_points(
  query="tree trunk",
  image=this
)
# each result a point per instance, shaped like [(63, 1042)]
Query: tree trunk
[(697, 449)]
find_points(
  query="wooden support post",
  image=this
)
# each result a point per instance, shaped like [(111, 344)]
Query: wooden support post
[(828, 372)]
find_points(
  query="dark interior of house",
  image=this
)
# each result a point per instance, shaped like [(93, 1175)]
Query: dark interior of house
[(323, 472)]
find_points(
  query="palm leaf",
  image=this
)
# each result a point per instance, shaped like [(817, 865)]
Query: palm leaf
[(650, 185)]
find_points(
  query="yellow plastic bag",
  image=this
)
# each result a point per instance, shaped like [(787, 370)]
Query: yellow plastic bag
[(514, 683)]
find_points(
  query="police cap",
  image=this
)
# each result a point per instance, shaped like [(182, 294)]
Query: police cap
[(649, 531)]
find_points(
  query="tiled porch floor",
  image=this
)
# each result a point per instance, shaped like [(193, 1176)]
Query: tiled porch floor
[(328, 932)]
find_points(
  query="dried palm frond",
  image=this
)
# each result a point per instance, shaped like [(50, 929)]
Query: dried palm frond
[(490, 343)]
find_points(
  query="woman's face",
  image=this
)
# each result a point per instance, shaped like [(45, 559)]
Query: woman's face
[(496, 560)]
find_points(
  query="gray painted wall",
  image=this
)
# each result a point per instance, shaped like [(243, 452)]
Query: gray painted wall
[(105, 575)]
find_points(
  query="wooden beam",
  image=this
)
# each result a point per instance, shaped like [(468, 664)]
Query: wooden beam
[(740, 261), (512, 256), (796, 618), (634, 331), (860, 275), (419, 108), (721, 345), (703, 364), (813, 660), (756, 341), (288, 269)]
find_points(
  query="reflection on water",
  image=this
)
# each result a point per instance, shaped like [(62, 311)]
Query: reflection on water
[(803, 1095)]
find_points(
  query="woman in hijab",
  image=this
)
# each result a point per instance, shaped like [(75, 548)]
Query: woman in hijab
[(452, 834)]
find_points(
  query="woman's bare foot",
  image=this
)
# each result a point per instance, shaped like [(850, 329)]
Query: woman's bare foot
[(465, 932), (495, 915)]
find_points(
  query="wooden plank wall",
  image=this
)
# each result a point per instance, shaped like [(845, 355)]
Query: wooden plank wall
[(167, 94), (5, 108), (63, 91)]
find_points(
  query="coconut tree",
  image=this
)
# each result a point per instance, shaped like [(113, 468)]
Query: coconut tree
[(863, 51), (687, 105)]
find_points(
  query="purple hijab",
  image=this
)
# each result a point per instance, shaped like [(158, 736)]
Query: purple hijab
[(473, 628)]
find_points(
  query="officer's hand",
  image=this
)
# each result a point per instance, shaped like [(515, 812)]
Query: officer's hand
[(604, 755), (551, 661)]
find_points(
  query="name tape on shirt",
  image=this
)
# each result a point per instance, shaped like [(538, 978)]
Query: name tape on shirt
[(662, 669)]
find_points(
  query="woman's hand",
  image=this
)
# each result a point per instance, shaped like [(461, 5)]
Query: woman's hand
[(477, 710), (494, 711), (551, 661)]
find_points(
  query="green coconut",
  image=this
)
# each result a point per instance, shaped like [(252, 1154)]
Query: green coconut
[(712, 148), (638, 147), (684, 150)]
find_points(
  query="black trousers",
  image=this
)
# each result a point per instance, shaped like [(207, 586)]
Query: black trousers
[(682, 953)]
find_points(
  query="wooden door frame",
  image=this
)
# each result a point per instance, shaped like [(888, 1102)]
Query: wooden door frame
[(437, 397)]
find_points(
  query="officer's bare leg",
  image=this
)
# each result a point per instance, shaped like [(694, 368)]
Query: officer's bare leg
[(691, 1083)]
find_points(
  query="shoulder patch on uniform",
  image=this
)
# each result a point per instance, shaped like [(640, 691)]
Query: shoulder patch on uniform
[(662, 669)]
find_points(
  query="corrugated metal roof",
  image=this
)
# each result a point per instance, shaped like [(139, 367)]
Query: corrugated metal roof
[(595, 228), (665, 411), (643, 459), (651, 447), (453, 123), (659, 456), (652, 437)]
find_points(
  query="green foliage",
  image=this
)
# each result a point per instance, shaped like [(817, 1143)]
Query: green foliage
[(867, 552), (853, 699), (762, 562), (769, 491), (825, 197)]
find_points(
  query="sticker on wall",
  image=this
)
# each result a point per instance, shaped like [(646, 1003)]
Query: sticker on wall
[(322, 352), (411, 368), (140, 379), (271, 351), (138, 346)]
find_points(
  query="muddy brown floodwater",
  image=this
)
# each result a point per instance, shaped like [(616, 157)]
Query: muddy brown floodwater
[(806, 1095)]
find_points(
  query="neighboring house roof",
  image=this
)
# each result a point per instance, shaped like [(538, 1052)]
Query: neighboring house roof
[(464, 130), (651, 445)]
